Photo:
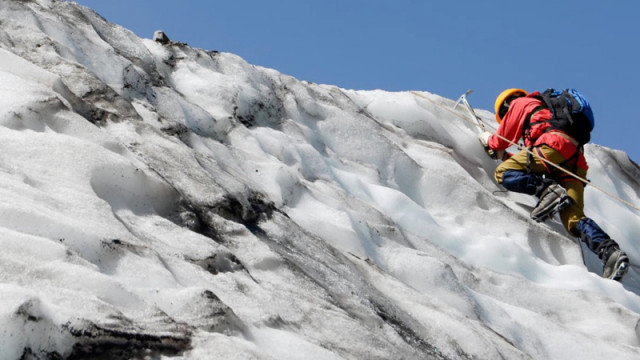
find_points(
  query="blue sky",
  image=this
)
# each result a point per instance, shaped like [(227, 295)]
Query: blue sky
[(444, 47)]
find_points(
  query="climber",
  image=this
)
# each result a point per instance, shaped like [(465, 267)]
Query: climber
[(554, 126)]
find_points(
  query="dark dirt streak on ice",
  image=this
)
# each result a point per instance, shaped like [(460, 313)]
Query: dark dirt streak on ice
[(327, 267)]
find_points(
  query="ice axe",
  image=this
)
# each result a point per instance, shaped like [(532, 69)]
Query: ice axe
[(463, 99)]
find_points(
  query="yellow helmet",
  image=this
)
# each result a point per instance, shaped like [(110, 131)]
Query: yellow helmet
[(503, 100)]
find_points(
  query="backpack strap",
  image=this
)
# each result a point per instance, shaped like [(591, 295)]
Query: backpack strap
[(526, 133), (526, 128)]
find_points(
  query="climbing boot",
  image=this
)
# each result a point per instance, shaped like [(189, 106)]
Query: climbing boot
[(553, 198), (616, 261)]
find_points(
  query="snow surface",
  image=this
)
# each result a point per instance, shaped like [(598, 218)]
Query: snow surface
[(165, 201)]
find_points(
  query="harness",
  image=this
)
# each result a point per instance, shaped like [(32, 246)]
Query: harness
[(526, 135)]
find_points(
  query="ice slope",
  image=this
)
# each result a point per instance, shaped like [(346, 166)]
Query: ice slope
[(165, 201)]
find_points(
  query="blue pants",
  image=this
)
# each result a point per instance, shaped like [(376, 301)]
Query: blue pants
[(594, 236), (522, 182)]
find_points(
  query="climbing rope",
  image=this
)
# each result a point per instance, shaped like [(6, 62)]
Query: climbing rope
[(481, 125)]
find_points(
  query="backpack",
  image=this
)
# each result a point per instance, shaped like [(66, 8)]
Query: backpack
[(571, 111)]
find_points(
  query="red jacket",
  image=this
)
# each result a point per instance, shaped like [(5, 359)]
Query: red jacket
[(513, 122)]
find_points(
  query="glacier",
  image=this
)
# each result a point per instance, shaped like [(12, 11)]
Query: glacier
[(164, 201)]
